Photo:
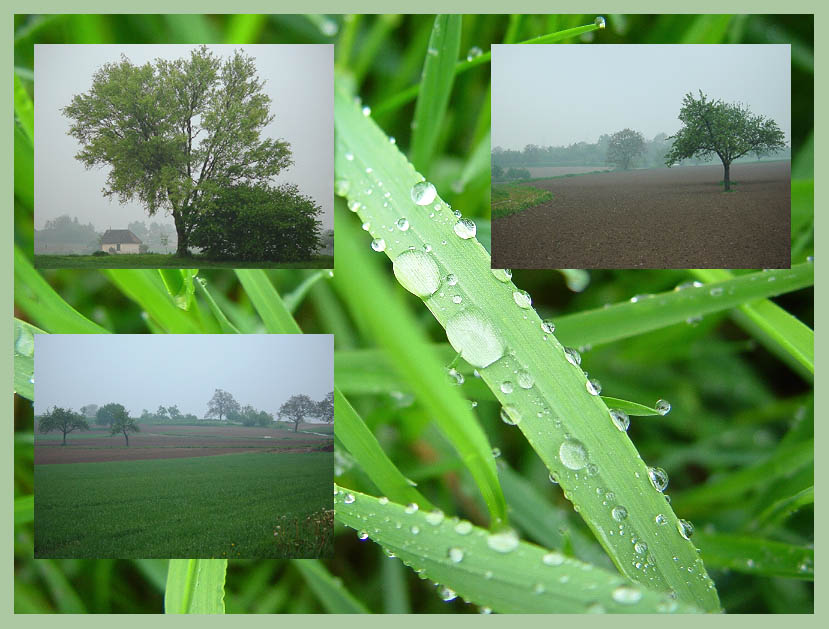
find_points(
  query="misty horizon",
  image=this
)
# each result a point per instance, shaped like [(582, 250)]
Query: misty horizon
[(145, 371), (563, 94)]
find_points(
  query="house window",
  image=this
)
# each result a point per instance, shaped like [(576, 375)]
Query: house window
[(118, 247)]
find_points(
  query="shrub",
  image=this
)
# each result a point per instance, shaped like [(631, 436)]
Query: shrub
[(100, 253), (517, 173), (248, 222)]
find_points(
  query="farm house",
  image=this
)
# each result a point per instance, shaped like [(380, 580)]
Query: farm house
[(120, 241)]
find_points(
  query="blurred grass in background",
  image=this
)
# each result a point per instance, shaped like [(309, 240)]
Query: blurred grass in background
[(735, 402)]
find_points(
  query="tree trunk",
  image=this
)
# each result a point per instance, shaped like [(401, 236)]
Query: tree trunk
[(127, 437), (181, 234), (296, 426), (726, 175), (64, 439)]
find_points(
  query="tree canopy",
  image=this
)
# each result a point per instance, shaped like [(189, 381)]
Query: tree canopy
[(110, 413), (727, 130), (297, 408), (325, 408), (222, 405), (624, 147), (125, 425), (62, 419), (173, 133)]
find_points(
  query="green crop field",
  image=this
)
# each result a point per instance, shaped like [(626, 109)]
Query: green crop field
[(161, 261), (217, 506), (511, 198)]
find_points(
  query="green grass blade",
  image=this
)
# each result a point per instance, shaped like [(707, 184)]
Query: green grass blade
[(195, 586), (329, 591), (369, 296), (780, 510), (24, 509), (224, 323), (775, 328), (179, 284), (518, 580), (477, 166), (435, 87), (363, 445), (762, 557), (24, 110), (781, 463), (492, 330), (411, 92), (24, 177), (43, 305), (631, 408), (147, 289), (622, 320), (294, 298), (268, 303), (24, 355)]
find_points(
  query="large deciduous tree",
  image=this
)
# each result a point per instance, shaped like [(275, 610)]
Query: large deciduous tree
[(727, 130), (222, 405), (63, 419), (109, 413), (297, 408), (173, 133), (624, 147), (125, 425), (325, 408)]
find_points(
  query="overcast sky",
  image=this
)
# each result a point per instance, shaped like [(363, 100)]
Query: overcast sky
[(147, 370), (298, 78), (555, 95)]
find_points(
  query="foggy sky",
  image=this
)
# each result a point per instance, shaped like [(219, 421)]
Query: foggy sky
[(555, 95), (298, 78), (144, 370)]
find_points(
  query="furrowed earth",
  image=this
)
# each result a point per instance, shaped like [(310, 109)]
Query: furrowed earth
[(659, 218)]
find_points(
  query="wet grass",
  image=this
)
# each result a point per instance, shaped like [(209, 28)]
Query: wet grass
[(511, 198)]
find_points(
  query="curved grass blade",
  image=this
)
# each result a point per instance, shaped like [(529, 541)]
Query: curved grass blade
[(329, 591), (363, 445), (294, 298), (146, 288), (604, 325), (780, 510), (435, 87), (501, 574), (267, 301), (179, 284), (369, 296), (763, 557), (24, 354), (195, 586), (43, 305), (224, 323), (494, 327), (24, 509), (631, 408), (24, 110)]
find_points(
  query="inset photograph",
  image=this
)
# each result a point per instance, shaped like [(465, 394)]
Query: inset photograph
[(183, 156), (184, 446), (641, 156)]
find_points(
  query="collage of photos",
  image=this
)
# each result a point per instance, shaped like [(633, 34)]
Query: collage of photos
[(562, 363)]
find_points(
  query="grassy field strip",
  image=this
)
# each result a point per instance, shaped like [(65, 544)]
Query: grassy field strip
[(494, 570), (508, 198), (557, 413)]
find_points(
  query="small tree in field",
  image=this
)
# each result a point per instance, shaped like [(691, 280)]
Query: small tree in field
[(727, 130), (325, 408), (125, 425), (222, 405), (297, 408), (624, 147), (62, 419), (108, 413), (264, 419), (89, 411)]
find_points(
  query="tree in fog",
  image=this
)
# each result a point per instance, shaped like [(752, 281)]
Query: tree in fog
[(624, 147), (89, 411), (222, 405), (264, 419), (174, 413), (727, 130), (325, 408), (297, 408), (63, 419), (108, 413), (125, 425)]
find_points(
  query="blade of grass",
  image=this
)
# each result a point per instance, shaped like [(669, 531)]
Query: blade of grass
[(295, 297), (24, 509), (772, 326), (268, 302), (369, 296), (411, 92), (24, 109), (224, 323), (761, 557), (557, 414), (330, 592), (179, 284), (195, 586), (43, 305), (24, 352), (435, 87), (363, 445), (146, 288), (461, 557), (782, 509), (24, 177), (631, 408)]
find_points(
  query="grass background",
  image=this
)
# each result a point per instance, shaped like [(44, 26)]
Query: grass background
[(740, 402)]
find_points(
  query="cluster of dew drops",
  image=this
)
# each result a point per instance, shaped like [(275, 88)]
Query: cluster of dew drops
[(472, 335)]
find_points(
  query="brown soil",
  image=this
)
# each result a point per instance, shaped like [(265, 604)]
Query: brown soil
[(664, 218)]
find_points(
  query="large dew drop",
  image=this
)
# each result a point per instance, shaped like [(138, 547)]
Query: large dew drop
[(619, 513), (455, 554), (378, 244), (423, 193), (600, 22), (663, 407), (502, 275), (24, 344), (417, 272), (620, 419), (573, 454), (503, 541), (553, 558), (522, 299), (510, 415), (627, 594), (465, 228), (685, 528), (474, 338), (659, 478)]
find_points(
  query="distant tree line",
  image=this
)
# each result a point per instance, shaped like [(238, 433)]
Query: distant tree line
[(65, 234), (66, 421)]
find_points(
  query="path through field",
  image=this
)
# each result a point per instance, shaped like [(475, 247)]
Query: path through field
[(662, 218)]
